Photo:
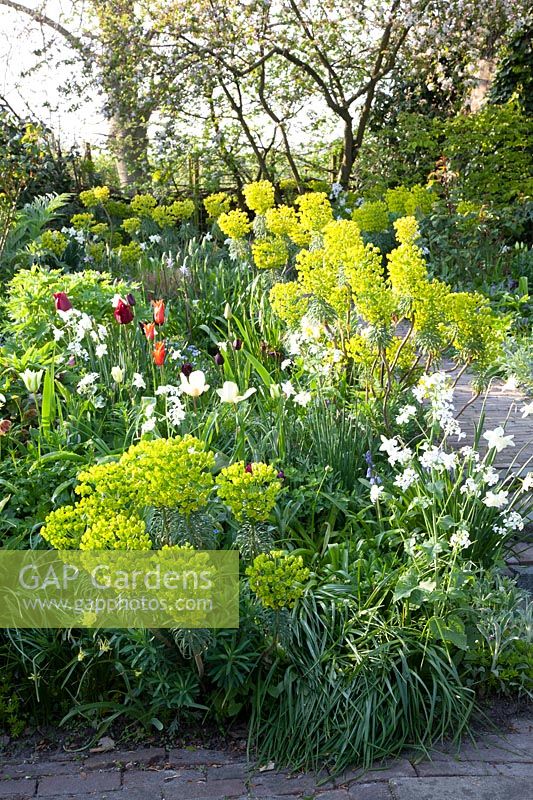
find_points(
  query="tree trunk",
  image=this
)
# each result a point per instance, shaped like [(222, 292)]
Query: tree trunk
[(345, 170), (129, 143)]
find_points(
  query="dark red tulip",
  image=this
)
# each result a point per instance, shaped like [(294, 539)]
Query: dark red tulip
[(187, 369), (218, 359), (237, 344), (123, 312), (130, 300), (62, 302), (248, 468)]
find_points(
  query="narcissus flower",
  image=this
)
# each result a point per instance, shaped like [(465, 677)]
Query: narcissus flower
[(159, 354), (159, 311), (194, 384), (123, 312), (62, 302), (230, 393)]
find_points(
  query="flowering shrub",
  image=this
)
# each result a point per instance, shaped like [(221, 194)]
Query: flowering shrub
[(276, 578), (168, 473), (250, 490)]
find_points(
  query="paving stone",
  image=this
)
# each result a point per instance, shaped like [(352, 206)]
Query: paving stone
[(36, 768), (334, 794), (494, 754), (451, 766), (269, 784), (370, 791), (145, 755), (203, 790), (240, 769), (516, 770), (148, 779), (84, 782), (522, 725), (471, 788), (400, 768), (17, 790), (185, 757)]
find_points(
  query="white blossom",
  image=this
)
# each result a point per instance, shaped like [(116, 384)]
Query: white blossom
[(406, 479), (406, 413), (460, 540), (497, 440), (117, 373), (496, 499), (376, 492), (138, 381), (526, 409), (230, 393), (194, 385), (302, 398)]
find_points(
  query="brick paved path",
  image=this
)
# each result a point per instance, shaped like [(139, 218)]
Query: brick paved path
[(494, 768)]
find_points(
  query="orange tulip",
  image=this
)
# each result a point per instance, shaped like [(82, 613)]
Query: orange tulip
[(149, 330), (159, 311), (159, 354)]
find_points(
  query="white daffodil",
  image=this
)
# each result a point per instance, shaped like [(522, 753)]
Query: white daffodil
[(376, 492), (288, 389), (230, 393), (100, 350), (406, 479), (138, 381), (195, 384), (527, 483), (527, 409), (117, 373), (460, 540), (497, 440), (32, 380), (302, 398), (406, 413), (496, 499), (2, 400)]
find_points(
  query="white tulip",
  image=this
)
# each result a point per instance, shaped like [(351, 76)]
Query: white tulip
[(32, 380), (195, 384), (117, 373), (230, 393)]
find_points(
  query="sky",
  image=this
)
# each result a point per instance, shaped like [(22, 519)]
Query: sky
[(38, 94)]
